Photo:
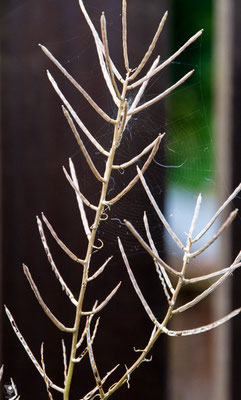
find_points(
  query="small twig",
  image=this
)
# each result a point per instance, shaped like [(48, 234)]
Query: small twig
[(44, 371), (195, 217), (164, 278), (166, 62), (81, 145), (64, 360), (149, 250), (77, 85), (104, 302), (83, 198), (151, 47), (84, 331), (60, 243), (92, 362), (97, 39), (136, 178), (47, 311), (107, 53), (203, 328), (204, 294), (224, 226), (52, 263), (99, 270), (28, 351), (95, 330), (75, 116), (158, 211), (216, 215), (230, 269), (124, 35), (80, 358), (161, 95), (79, 200), (136, 158), (136, 286), (100, 50), (92, 392), (142, 90), (122, 124), (1, 372)]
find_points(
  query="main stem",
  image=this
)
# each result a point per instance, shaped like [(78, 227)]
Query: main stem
[(102, 202)]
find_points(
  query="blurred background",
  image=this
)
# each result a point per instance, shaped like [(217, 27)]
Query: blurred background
[(200, 153)]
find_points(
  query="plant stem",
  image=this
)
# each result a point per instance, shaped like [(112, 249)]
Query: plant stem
[(119, 124)]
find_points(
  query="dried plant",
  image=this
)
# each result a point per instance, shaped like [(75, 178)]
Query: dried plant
[(82, 332)]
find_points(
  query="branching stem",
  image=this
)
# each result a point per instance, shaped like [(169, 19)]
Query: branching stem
[(97, 221)]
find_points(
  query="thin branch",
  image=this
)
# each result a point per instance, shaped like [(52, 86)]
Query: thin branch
[(161, 95), (84, 331), (99, 270), (81, 145), (104, 302), (64, 360), (92, 392), (100, 51), (136, 178), (77, 85), (83, 198), (230, 269), (195, 217), (1, 372), (79, 200), (151, 47), (136, 158), (224, 226), (109, 373), (52, 263), (75, 116), (149, 250), (213, 219), (95, 330), (80, 358), (93, 363), (47, 311), (158, 211), (135, 285), (98, 43), (203, 328), (122, 124), (142, 89), (44, 371), (28, 351), (60, 243), (107, 53), (204, 294), (166, 62), (124, 35), (164, 278)]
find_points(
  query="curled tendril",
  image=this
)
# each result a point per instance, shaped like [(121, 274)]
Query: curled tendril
[(104, 216), (99, 247)]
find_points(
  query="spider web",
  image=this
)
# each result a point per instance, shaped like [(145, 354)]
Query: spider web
[(185, 157)]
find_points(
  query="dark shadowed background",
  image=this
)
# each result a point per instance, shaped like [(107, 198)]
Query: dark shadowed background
[(36, 142)]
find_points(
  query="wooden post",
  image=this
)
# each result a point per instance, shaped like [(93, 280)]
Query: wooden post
[(222, 61)]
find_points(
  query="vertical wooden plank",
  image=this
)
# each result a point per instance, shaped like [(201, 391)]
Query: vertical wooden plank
[(222, 73), (236, 178)]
